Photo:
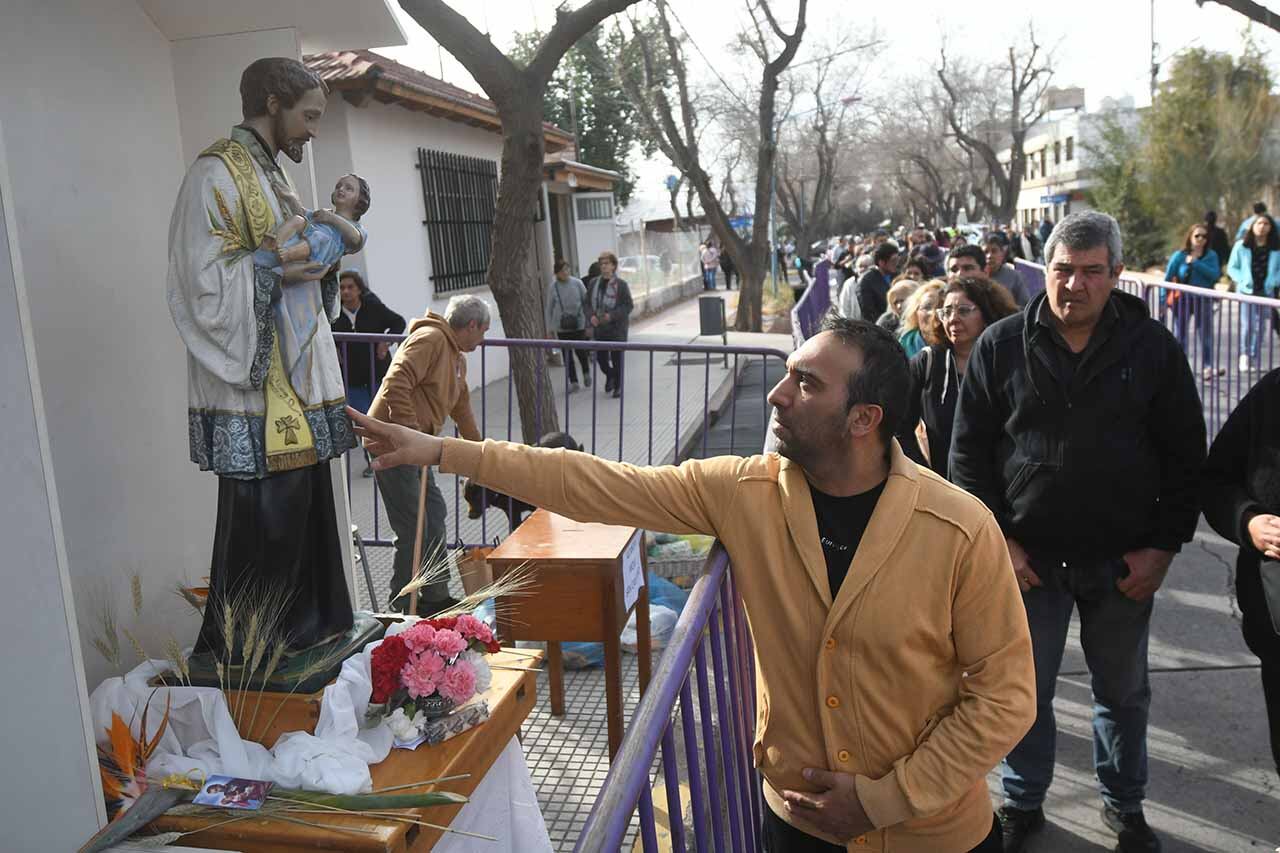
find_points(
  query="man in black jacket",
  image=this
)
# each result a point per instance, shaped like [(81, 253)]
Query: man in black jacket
[(1079, 426), (362, 311), (872, 289)]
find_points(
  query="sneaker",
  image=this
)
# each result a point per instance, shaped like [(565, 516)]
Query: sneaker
[(1244, 363), (1208, 373), (1131, 831), (586, 379), (617, 392), (367, 472), (1017, 825), (573, 386)]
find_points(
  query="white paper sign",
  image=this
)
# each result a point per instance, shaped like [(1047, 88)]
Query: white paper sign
[(632, 573)]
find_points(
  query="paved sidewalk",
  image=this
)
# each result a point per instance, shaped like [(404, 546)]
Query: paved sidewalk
[(1211, 782)]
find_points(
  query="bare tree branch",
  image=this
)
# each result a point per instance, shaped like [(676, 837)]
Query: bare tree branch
[(1253, 11)]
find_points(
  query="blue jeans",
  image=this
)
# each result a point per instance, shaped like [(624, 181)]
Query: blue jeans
[(1202, 307), (709, 278), (1113, 632), (1253, 327)]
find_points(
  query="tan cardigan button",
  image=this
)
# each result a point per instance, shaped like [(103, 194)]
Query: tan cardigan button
[(843, 755), (831, 643), (833, 702), (860, 840)]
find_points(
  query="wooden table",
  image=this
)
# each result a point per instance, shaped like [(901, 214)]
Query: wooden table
[(510, 697), (581, 573)]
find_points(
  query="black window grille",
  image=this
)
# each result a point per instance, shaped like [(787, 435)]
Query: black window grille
[(460, 195)]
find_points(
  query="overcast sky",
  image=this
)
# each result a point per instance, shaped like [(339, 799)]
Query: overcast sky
[(1101, 45)]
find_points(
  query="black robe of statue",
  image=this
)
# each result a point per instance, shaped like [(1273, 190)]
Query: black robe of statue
[(279, 533)]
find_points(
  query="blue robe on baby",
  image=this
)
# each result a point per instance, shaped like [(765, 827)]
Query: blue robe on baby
[(325, 240)]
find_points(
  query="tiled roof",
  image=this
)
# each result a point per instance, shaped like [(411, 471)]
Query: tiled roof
[(362, 74)]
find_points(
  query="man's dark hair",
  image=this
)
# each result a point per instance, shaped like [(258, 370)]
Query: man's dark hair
[(1259, 208), (287, 79), (919, 263), (1210, 218), (884, 252), (968, 250), (357, 278), (1273, 239), (883, 380)]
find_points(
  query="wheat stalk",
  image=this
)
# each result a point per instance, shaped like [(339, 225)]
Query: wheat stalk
[(247, 659), (277, 652), (173, 652), (107, 638), (135, 588)]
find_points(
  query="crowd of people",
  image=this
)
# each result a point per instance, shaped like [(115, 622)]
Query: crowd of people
[(962, 464)]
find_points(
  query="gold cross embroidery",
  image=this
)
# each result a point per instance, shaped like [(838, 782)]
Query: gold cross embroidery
[(289, 426)]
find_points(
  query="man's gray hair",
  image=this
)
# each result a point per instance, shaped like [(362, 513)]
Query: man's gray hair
[(462, 310), (1087, 229)]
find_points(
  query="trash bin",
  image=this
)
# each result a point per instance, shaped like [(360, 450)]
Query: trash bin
[(711, 315)]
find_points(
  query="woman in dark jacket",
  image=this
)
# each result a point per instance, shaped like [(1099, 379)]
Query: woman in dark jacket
[(364, 312), (969, 305), (1241, 501), (610, 319)]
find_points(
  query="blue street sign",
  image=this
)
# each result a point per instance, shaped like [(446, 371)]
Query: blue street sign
[(740, 221), (671, 182), (1059, 198)]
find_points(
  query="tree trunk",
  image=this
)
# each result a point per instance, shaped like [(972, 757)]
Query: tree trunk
[(515, 286)]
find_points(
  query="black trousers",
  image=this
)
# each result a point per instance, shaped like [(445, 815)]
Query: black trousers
[(728, 278), (1262, 640), (278, 536), (610, 362), (782, 837), (584, 356)]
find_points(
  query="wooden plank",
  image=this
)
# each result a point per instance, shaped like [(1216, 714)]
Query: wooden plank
[(511, 699)]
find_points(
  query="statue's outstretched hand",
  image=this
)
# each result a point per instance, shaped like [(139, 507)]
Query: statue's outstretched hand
[(392, 444)]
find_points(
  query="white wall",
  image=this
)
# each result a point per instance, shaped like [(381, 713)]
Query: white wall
[(61, 805), (91, 130), (384, 140)]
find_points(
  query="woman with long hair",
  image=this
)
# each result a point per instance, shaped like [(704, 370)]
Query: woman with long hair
[(970, 303), (1198, 265), (919, 326), (1255, 268)]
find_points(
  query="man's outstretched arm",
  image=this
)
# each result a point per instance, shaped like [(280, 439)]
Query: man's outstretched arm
[(689, 498)]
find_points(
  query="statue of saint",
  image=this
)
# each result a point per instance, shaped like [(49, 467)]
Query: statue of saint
[(265, 392)]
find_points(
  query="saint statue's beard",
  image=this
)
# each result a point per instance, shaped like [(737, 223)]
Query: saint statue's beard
[(292, 148)]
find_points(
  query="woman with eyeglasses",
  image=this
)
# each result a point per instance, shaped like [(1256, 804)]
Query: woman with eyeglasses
[(1197, 265), (970, 303)]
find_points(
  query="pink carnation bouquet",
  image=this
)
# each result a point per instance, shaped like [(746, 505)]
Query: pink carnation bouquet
[(429, 669)]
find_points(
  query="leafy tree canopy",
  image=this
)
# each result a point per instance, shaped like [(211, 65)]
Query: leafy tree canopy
[(606, 120)]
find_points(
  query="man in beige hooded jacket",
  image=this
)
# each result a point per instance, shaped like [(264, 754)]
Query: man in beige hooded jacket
[(425, 384), (893, 660)]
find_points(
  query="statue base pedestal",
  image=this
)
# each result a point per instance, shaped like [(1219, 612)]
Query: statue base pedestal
[(302, 672)]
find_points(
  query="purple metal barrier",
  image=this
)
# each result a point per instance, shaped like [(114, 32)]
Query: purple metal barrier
[(716, 731), (686, 368), (807, 313)]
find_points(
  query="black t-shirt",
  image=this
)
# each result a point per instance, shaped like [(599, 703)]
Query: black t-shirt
[(841, 523)]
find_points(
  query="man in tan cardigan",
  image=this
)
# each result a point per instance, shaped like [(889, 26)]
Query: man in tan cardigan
[(426, 384), (893, 662)]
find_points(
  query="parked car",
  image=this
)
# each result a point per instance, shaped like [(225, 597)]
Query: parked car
[(630, 265)]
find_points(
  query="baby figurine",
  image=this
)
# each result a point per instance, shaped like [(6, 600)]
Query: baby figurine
[(322, 236)]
